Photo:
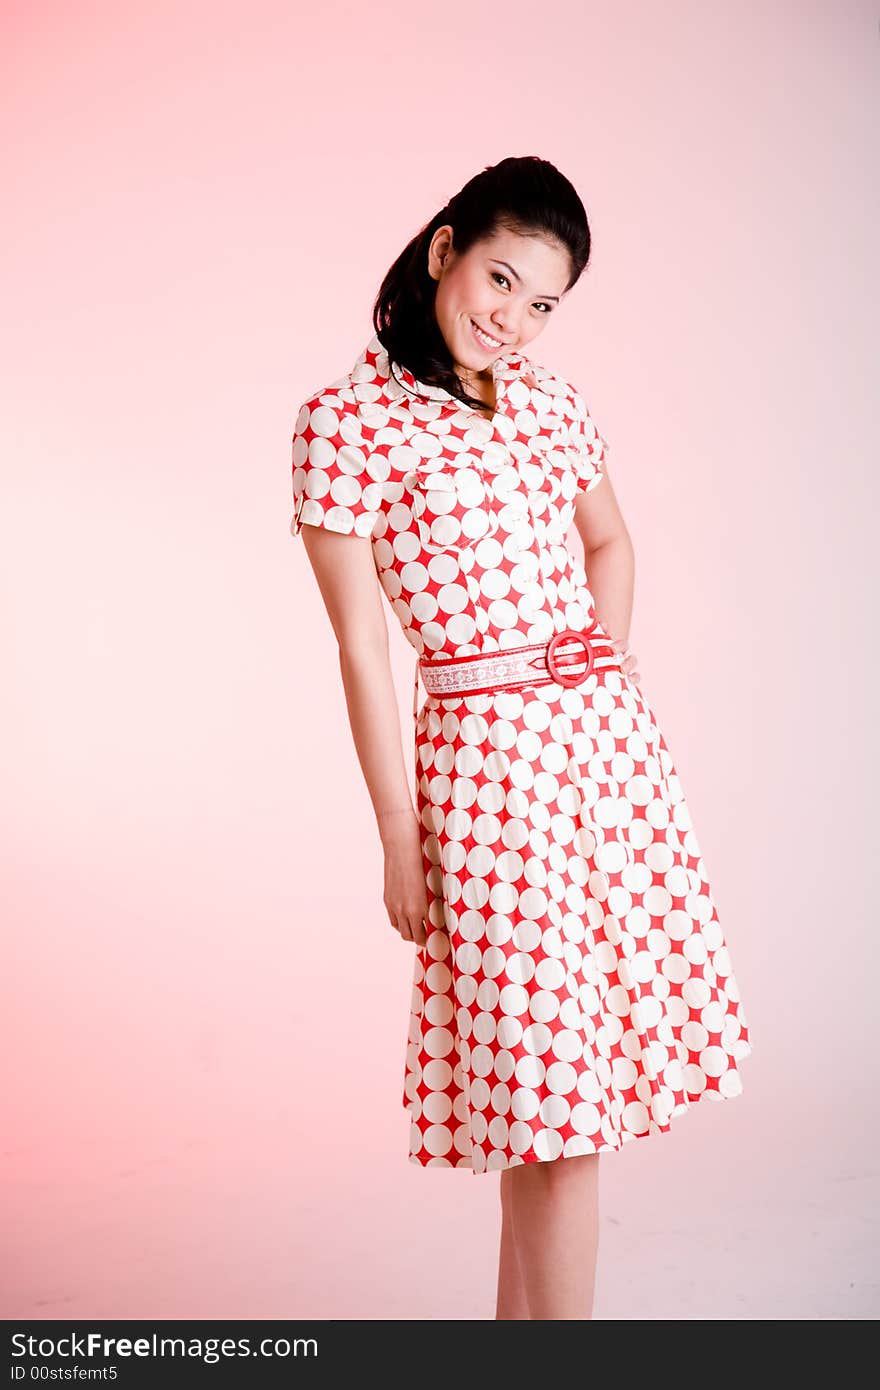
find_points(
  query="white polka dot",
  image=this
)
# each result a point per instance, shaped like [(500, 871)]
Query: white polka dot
[(548, 1144), (437, 1139), (524, 1103), (555, 1111), (536, 1037), (437, 1107), (520, 1137), (585, 1118), (635, 1117), (513, 999), (530, 1071), (561, 1077)]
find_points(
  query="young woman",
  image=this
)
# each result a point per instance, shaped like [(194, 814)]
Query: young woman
[(572, 989)]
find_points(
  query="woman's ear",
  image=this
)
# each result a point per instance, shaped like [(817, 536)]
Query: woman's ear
[(438, 251)]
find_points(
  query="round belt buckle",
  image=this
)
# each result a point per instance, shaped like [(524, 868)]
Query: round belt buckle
[(569, 634)]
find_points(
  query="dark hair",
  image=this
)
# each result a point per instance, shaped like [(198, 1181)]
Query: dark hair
[(524, 194)]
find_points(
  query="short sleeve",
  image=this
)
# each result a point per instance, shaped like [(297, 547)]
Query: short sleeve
[(332, 485), (590, 448)]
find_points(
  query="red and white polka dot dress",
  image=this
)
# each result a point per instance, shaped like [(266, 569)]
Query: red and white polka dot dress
[(575, 990)]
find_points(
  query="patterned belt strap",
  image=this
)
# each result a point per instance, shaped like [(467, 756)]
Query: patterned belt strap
[(568, 659)]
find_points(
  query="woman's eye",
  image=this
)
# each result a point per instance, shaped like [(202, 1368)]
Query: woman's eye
[(498, 277)]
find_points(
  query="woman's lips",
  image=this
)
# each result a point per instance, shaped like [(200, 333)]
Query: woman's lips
[(485, 340)]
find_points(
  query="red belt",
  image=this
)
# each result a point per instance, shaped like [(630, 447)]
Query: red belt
[(568, 659)]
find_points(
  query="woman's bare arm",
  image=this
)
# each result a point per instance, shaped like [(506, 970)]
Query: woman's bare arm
[(346, 575), (609, 560)]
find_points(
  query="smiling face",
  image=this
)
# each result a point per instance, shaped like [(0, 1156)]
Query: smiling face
[(497, 296)]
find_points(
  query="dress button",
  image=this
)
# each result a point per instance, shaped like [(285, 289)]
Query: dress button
[(495, 455), (482, 431)]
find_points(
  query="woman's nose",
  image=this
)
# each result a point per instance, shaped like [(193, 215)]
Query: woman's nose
[(506, 323)]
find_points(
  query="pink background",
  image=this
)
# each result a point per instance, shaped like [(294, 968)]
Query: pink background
[(204, 1006)]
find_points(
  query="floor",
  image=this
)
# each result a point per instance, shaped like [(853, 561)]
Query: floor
[(738, 1213)]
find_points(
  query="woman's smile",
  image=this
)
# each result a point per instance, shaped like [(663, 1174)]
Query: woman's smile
[(483, 338)]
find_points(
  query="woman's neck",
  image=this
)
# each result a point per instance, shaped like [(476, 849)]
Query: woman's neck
[(481, 384)]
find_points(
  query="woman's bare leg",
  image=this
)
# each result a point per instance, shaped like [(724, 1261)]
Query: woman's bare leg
[(511, 1300), (554, 1221)]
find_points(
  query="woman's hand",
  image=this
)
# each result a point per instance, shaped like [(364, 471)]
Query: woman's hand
[(406, 891), (627, 660)]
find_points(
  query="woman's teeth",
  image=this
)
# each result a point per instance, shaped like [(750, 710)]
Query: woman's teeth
[(484, 337)]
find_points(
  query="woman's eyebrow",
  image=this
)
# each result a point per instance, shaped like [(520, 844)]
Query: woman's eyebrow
[(519, 278)]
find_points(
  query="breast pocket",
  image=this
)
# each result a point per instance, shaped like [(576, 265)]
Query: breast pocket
[(575, 468), (549, 482), (452, 509)]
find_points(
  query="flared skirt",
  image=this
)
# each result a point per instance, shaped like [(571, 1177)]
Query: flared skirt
[(575, 990)]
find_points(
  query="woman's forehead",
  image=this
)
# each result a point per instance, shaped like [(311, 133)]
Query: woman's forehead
[(532, 258)]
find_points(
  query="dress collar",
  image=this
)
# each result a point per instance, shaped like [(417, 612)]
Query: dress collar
[(374, 363)]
